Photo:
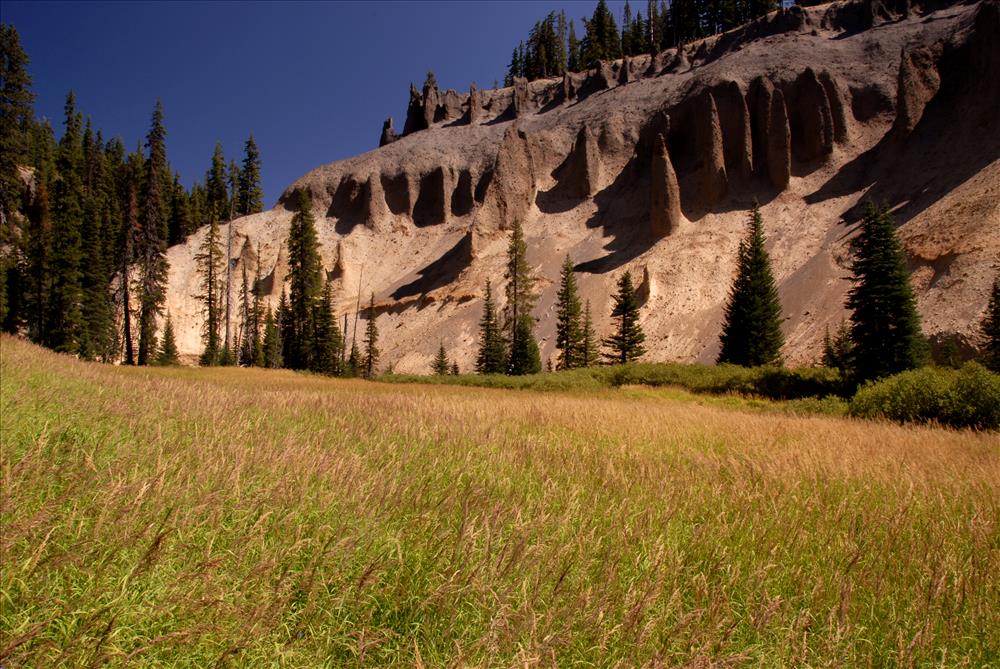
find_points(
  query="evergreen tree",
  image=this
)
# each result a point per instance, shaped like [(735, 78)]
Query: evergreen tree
[(272, 342), (371, 341), (152, 289), (491, 358), (454, 368), (209, 261), (354, 362), (588, 340), (216, 194), (97, 335), (16, 116), (130, 238), (885, 326), (569, 332), (250, 197), (38, 259), (64, 316), (257, 314), (573, 57), (626, 344), (837, 348), (751, 335), (305, 284), (168, 354), (601, 41), (991, 329), (523, 356), (249, 335), (328, 338), (286, 328), (181, 224), (440, 366)]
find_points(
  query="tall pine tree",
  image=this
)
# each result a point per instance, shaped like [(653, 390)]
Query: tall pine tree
[(588, 340), (250, 197), (209, 260), (522, 349), (626, 343), (990, 329), (885, 325), (751, 334), (569, 330), (371, 341), (491, 358), (305, 285), (440, 366), (153, 259)]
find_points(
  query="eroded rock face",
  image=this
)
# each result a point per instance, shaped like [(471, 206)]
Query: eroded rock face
[(431, 207), (462, 201), (779, 142), (734, 118), (583, 176), (430, 99), (388, 133), (835, 96), (522, 102), (414, 112), (625, 73), (917, 83), (475, 105), (350, 202), (665, 193), (568, 88), (714, 181), (396, 189), (812, 133), (510, 188), (449, 106)]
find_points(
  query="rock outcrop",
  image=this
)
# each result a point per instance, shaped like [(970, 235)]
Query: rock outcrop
[(734, 118), (449, 106), (665, 193), (625, 73), (836, 97), (583, 170), (918, 81), (770, 132), (475, 105), (430, 99), (522, 101), (414, 113), (511, 188), (812, 128), (388, 133), (713, 178)]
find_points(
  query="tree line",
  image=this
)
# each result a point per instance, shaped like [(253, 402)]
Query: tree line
[(85, 224), (552, 46)]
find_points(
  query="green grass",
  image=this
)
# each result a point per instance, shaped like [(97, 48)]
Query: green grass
[(226, 517)]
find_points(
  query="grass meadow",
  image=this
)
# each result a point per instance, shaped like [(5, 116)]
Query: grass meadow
[(228, 517)]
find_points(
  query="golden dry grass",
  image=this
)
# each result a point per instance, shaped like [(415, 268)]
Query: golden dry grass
[(190, 517)]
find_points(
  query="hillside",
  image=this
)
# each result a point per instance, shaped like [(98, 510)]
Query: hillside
[(808, 111)]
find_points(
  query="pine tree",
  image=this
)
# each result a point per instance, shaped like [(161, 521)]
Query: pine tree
[(328, 338), (491, 358), (38, 260), (97, 334), (990, 329), (249, 336), (305, 284), (454, 368), (130, 239), (251, 196), (354, 362), (751, 334), (16, 117), (286, 328), (257, 314), (573, 58), (371, 341), (626, 344), (209, 261), (152, 288), (180, 214), (522, 356), (168, 354), (569, 332), (440, 366), (885, 326), (272, 342), (588, 340), (837, 348), (216, 194), (601, 41)]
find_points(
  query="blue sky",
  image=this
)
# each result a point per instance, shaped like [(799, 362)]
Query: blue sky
[(312, 81)]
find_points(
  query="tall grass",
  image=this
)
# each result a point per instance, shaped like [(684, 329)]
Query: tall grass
[(228, 517)]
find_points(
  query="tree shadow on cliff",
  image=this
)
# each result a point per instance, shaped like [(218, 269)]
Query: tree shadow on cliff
[(441, 272)]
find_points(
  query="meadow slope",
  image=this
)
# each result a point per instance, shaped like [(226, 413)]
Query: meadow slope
[(229, 517)]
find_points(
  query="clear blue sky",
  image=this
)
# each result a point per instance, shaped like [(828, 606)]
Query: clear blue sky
[(312, 81)]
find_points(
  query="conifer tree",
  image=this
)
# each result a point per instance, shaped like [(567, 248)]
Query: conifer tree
[(249, 336), (38, 261), (491, 358), (328, 338), (209, 261), (588, 340), (305, 284), (573, 57), (180, 214), (129, 240), (257, 314), (168, 354), (216, 194), (251, 196), (97, 333), (152, 288), (371, 341), (751, 334), (991, 329), (626, 344), (354, 361), (601, 41), (885, 325), (523, 356), (64, 317), (454, 368), (16, 117), (272, 342), (569, 330), (286, 328), (440, 366), (837, 348)]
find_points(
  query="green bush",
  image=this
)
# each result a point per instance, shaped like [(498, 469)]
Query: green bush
[(968, 397)]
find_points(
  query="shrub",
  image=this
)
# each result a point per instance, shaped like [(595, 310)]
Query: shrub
[(969, 397)]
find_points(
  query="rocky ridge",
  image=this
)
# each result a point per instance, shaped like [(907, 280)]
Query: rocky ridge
[(650, 164)]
